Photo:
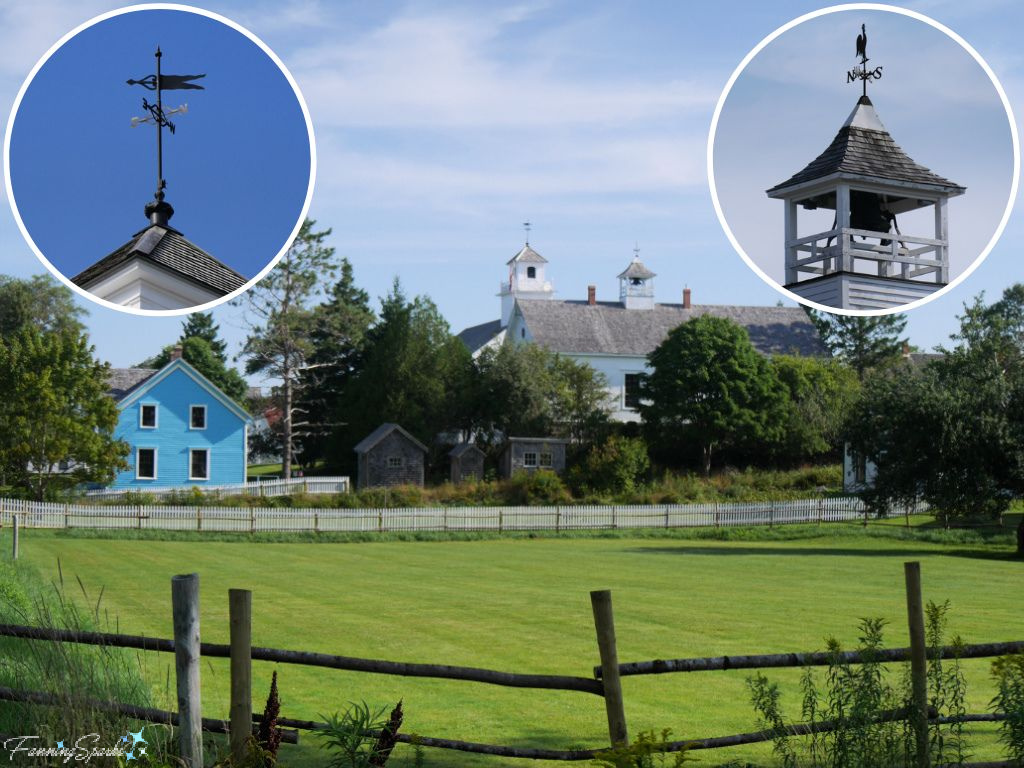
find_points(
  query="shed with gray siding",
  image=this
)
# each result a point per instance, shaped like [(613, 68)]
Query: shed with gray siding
[(467, 463), (390, 456), (529, 454)]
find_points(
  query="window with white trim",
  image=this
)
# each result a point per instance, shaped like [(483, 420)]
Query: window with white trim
[(395, 462), (147, 415), (530, 459), (145, 464), (197, 417), (198, 464)]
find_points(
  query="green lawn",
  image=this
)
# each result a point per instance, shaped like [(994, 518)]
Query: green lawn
[(523, 605)]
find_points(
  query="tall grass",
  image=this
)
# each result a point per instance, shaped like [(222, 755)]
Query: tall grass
[(78, 675)]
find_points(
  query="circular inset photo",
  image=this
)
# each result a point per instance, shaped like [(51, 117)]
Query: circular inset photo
[(863, 159), (159, 159)]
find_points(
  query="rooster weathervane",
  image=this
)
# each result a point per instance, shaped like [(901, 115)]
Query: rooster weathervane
[(861, 72)]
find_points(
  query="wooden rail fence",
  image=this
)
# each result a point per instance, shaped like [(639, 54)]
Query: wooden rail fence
[(838, 509), (189, 650)]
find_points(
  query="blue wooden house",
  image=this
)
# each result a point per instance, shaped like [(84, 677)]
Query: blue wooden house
[(182, 430)]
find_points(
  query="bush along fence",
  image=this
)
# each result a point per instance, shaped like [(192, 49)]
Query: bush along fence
[(605, 682), (274, 487), (542, 518)]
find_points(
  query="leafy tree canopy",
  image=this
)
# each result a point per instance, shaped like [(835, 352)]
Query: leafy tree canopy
[(56, 409), (821, 396), (709, 386)]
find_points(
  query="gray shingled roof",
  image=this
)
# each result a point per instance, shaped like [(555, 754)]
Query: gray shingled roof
[(122, 381), (169, 249), (864, 148), (463, 448), (476, 336), (637, 269), (380, 433), (526, 253), (608, 328)]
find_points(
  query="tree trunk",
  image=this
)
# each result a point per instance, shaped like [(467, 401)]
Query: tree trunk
[(1020, 538), (286, 456), (707, 460)]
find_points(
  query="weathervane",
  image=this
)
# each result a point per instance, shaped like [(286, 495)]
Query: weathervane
[(158, 116), (862, 72), (526, 226)]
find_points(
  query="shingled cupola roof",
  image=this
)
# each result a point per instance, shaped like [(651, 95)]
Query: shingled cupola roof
[(636, 269), (527, 255), (864, 150), (170, 250)]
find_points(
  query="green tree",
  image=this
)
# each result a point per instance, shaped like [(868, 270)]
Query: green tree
[(863, 343), (339, 328), (526, 389), (413, 372), (196, 351), (821, 396), (200, 325), (279, 315), (710, 387), (952, 432), (38, 301), (56, 409)]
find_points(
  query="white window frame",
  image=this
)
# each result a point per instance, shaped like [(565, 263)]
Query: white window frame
[(526, 459), (206, 415), (156, 455), (396, 462), (156, 415), (190, 475)]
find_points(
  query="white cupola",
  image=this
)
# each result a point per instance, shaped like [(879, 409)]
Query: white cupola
[(636, 286), (526, 280)]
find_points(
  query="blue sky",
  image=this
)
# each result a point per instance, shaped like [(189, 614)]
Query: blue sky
[(237, 167), (441, 127)]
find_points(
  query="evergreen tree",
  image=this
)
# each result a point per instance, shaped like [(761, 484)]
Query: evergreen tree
[(200, 325), (338, 334), (863, 343), (279, 313)]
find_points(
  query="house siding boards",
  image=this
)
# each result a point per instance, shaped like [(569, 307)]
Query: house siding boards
[(467, 463), (390, 456), (173, 439), (513, 457)]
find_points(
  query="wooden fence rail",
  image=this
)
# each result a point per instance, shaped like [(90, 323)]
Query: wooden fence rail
[(446, 519), (188, 649)]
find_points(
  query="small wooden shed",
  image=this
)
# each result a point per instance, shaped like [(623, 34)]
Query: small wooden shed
[(390, 456), (529, 454), (467, 463)]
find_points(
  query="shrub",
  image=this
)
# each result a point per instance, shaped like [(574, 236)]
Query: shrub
[(1008, 672), (361, 737), (618, 465), (540, 487)]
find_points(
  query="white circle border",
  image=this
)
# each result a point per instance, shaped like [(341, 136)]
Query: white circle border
[(864, 7), (160, 7)]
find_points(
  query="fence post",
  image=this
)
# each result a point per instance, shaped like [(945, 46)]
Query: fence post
[(666, 515), (138, 510), (199, 518), (252, 520), (604, 623), (185, 608), (14, 536), (918, 661), (380, 520), (821, 509), (865, 516), (445, 519), (501, 519), (240, 612), (558, 519), (316, 522), (771, 514)]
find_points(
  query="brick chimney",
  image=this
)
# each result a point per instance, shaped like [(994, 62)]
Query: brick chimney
[(176, 352), (591, 295), (686, 298)]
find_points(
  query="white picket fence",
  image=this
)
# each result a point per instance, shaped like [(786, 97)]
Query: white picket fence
[(279, 487), (551, 518)]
